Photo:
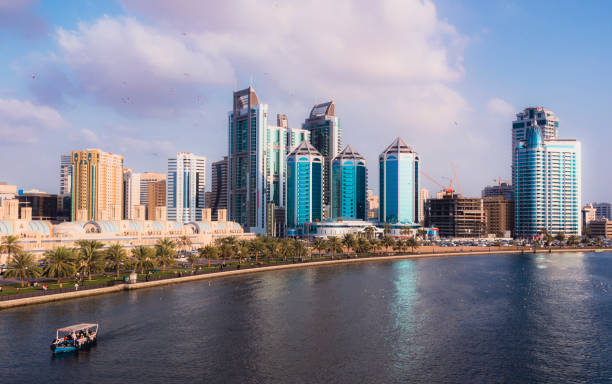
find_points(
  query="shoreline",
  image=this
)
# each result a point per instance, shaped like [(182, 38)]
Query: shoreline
[(148, 284)]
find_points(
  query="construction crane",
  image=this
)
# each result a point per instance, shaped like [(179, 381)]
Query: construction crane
[(448, 189), (456, 178), (498, 180)]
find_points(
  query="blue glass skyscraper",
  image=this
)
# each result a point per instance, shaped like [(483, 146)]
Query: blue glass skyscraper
[(547, 186), (349, 185), (304, 185), (399, 184)]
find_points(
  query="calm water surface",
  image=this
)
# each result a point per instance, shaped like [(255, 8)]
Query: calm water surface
[(503, 318)]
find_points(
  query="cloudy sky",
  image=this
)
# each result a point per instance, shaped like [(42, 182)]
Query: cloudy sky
[(148, 78)]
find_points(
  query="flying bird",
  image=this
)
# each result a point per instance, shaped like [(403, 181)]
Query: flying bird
[(33, 75)]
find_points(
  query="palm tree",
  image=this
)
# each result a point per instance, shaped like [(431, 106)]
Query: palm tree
[(22, 265), (273, 248), (413, 243), (165, 252), (387, 242), (144, 258), (363, 245), (349, 242), (573, 240), (227, 250), (209, 252), (399, 245), (422, 233), (405, 231), (300, 248), (285, 248), (369, 232), (376, 245), (320, 244), (184, 243), (60, 263), (116, 257), (10, 246), (387, 229), (560, 236), (242, 250), (193, 258), (257, 246), (90, 256), (334, 245)]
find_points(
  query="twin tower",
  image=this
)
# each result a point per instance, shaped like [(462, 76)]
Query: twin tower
[(398, 181)]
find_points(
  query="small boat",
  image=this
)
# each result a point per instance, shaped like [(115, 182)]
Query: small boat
[(75, 337)]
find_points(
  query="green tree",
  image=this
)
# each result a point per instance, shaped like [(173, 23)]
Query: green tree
[(165, 250), (560, 236), (349, 242), (387, 230), (413, 243), (144, 258), (388, 242), (22, 266), (369, 232), (573, 240), (375, 245), (320, 244), (193, 258), (422, 233), (399, 245), (363, 245), (90, 257), (285, 248), (334, 245), (272, 248), (10, 246), (116, 257), (209, 252), (257, 247), (226, 250), (300, 249), (60, 263)]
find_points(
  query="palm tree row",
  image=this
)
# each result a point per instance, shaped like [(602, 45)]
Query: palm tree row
[(90, 257), (87, 259)]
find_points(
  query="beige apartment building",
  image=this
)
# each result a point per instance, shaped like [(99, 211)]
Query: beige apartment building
[(97, 185), (499, 213), (156, 206)]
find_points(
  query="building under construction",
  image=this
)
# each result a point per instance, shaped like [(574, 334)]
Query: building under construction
[(456, 216)]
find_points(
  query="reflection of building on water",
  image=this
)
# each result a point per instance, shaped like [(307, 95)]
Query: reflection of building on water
[(39, 235)]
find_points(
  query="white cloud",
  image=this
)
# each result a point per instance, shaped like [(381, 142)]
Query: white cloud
[(24, 122), (501, 108)]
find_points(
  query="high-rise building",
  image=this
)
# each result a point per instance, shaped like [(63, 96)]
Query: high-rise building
[(65, 174), (423, 197), (589, 213), (131, 192), (156, 193), (247, 179), (326, 137), (304, 185), (349, 185), (145, 179), (545, 121), (43, 205), (547, 181), (97, 185), (218, 194), (372, 205), (499, 214), (456, 216), (399, 184), (601, 228), (603, 210), (502, 189), (185, 183)]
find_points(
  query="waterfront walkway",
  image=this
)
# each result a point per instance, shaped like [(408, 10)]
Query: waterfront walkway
[(38, 297)]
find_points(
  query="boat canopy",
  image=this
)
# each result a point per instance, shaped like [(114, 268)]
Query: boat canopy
[(77, 327)]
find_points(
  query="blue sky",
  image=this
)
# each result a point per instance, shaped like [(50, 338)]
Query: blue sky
[(149, 78)]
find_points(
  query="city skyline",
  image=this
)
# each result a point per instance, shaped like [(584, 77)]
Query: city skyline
[(53, 109)]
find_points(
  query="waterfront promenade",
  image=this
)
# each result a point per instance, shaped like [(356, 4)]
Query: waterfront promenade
[(31, 298)]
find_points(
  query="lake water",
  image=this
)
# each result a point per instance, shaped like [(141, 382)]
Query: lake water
[(499, 318)]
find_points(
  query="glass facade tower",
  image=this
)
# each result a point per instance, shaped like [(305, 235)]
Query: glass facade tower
[(349, 185), (186, 181), (326, 137), (304, 185), (399, 184), (547, 185)]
